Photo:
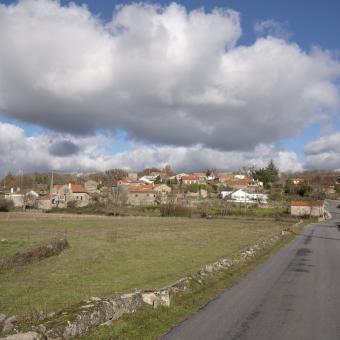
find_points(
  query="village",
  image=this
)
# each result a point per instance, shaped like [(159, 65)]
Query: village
[(152, 188)]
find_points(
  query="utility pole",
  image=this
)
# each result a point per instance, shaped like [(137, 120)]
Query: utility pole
[(51, 184)]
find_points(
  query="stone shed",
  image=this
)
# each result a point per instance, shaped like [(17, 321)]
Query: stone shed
[(307, 208)]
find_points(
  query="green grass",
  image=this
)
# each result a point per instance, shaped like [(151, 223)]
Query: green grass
[(111, 255), (149, 323)]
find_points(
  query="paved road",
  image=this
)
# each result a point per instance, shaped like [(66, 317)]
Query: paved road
[(293, 296)]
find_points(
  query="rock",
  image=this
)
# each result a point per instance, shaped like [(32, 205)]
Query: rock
[(107, 323), (208, 268), (94, 299), (2, 317), (149, 298), (9, 323), (157, 299), (24, 336), (87, 306)]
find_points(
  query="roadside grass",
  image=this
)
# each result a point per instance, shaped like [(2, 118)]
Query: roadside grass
[(114, 255), (149, 323)]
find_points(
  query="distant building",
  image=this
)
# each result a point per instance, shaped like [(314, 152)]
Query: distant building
[(18, 199), (189, 179), (62, 194), (307, 208), (133, 176), (91, 187), (141, 195), (245, 197)]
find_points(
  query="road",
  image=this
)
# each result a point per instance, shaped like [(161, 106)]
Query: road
[(295, 295)]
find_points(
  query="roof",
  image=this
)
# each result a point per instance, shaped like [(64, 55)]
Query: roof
[(306, 203), (77, 188), (190, 178), (141, 188)]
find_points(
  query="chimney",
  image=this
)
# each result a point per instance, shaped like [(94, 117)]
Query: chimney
[(12, 190), (69, 186)]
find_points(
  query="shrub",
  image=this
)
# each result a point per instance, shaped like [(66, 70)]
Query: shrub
[(6, 205), (19, 259), (170, 209)]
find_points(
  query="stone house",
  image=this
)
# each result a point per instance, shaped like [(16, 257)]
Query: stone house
[(18, 199), (139, 195), (44, 202), (189, 179), (307, 208), (91, 187), (65, 193)]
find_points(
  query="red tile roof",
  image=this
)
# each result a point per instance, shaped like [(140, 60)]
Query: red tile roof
[(141, 188), (190, 178), (77, 188), (306, 203)]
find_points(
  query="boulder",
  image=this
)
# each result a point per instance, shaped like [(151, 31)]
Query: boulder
[(9, 323)]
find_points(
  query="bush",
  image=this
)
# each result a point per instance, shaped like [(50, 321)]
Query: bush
[(168, 210), (6, 205)]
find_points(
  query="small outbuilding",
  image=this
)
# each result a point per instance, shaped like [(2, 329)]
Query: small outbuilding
[(307, 208)]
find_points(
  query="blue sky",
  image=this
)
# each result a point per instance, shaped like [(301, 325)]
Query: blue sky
[(302, 27)]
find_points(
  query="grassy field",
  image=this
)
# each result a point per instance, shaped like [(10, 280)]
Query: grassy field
[(110, 255)]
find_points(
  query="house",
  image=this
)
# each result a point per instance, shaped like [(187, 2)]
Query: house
[(225, 194), (91, 187), (189, 179), (307, 208), (141, 195), (65, 193), (162, 188), (201, 177), (44, 202), (179, 176), (133, 176), (245, 197), (162, 192), (18, 199), (147, 179), (125, 181)]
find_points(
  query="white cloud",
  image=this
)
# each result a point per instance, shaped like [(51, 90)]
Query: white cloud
[(64, 152), (273, 28), (165, 75), (324, 153)]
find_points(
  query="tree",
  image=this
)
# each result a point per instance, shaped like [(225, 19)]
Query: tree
[(267, 175), (289, 187)]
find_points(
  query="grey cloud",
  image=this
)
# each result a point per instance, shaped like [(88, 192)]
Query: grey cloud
[(63, 148), (19, 152)]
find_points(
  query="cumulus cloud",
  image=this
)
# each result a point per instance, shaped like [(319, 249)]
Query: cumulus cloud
[(51, 151), (273, 28), (324, 153), (165, 75)]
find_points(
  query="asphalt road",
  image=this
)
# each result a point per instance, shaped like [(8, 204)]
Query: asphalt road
[(293, 296)]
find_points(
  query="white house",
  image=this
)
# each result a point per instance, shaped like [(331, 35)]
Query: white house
[(225, 194), (245, 197), (147, 179)]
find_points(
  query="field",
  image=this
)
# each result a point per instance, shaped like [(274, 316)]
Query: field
[(110, 255)]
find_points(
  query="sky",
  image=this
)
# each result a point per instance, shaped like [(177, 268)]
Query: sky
[(91, 85)]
